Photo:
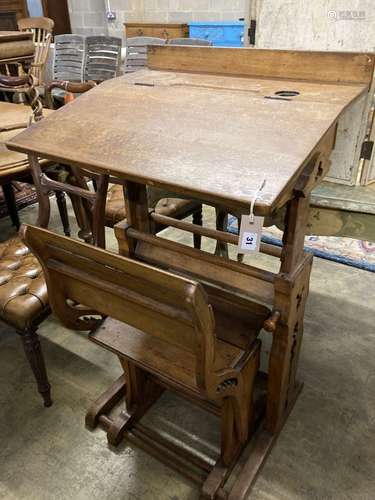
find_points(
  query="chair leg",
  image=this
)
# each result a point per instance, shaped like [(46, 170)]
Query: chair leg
[(221, 225), (63, 211), (238, 410), (10, 200), (198, 220), (33, 351), (141, 394)]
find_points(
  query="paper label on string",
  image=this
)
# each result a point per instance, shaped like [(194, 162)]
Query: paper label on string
[(250, 234)]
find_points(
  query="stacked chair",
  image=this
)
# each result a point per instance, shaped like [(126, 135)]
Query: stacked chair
[(136, 49), (79, 59)]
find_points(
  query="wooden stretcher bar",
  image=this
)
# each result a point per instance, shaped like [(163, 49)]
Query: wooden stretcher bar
[(210, 233), (230, 274)]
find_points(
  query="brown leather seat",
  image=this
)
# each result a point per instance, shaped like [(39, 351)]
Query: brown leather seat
[(171, 207), (23, 290)]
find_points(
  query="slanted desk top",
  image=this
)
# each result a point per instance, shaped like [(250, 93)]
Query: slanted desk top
[(210, 123), (202, 135)]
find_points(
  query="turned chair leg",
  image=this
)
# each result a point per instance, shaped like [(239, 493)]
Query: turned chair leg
[(34, 355), (10, 200), (63, 211), (198, 220)]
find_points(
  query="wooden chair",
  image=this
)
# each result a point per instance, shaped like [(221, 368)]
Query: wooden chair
[(69, 58), (103, 58), (24, 302), (88, 204), (190, 41), (171, 207), (15, 166), (42, 28), (136, 51), (68, 65), (83, 59), (168, 332)]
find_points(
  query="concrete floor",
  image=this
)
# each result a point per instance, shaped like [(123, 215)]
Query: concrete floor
[(326, 451)]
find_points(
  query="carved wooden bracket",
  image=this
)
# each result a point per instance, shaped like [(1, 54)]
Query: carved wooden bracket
[(314, 172)]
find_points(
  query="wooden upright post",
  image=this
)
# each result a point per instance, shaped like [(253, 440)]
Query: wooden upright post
[(291, 291)]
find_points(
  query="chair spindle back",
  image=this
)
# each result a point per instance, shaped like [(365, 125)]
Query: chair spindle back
[(42, 28)]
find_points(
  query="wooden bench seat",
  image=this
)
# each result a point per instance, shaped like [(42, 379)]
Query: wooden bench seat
[(167, 330), (153, 354)]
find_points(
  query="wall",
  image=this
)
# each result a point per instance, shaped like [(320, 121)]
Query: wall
[(88, 16)]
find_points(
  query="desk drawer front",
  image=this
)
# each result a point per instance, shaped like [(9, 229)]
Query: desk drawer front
[(157, 30)]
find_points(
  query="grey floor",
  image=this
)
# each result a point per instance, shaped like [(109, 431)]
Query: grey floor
[(326, 451)]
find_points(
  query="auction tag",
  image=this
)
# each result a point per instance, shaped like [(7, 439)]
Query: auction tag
[(250, 234)]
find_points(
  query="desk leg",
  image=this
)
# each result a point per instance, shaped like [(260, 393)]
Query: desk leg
[(137, 216), (44, 207), (291, 292), (10, 200)]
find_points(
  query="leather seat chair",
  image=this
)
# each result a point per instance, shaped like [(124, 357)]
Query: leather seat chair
[(171, 207), (24, 304)]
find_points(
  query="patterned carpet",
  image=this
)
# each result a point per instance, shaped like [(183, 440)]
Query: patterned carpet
[(25, 196), (356, 253)]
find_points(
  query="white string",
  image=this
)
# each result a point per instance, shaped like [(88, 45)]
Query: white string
[(253, 201)]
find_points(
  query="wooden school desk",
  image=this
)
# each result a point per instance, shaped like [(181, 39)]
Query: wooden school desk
[(213, 124)]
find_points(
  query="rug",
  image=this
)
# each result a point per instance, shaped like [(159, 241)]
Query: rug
[(25, 196), (355, 253)]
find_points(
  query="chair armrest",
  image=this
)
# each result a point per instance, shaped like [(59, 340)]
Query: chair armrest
[(69, 87), (13, 81), (73, 87)]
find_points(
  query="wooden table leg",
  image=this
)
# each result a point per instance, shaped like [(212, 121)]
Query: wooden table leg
[(291, 291), (137, 216), (44, 207), (10, 200)]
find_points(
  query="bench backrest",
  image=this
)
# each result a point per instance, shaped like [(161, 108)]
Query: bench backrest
[(169, 307)]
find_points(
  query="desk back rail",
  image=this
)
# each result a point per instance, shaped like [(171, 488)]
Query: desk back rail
[(328, 67)]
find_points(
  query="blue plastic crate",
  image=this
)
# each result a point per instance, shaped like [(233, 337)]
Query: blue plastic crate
[(224, 34)]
